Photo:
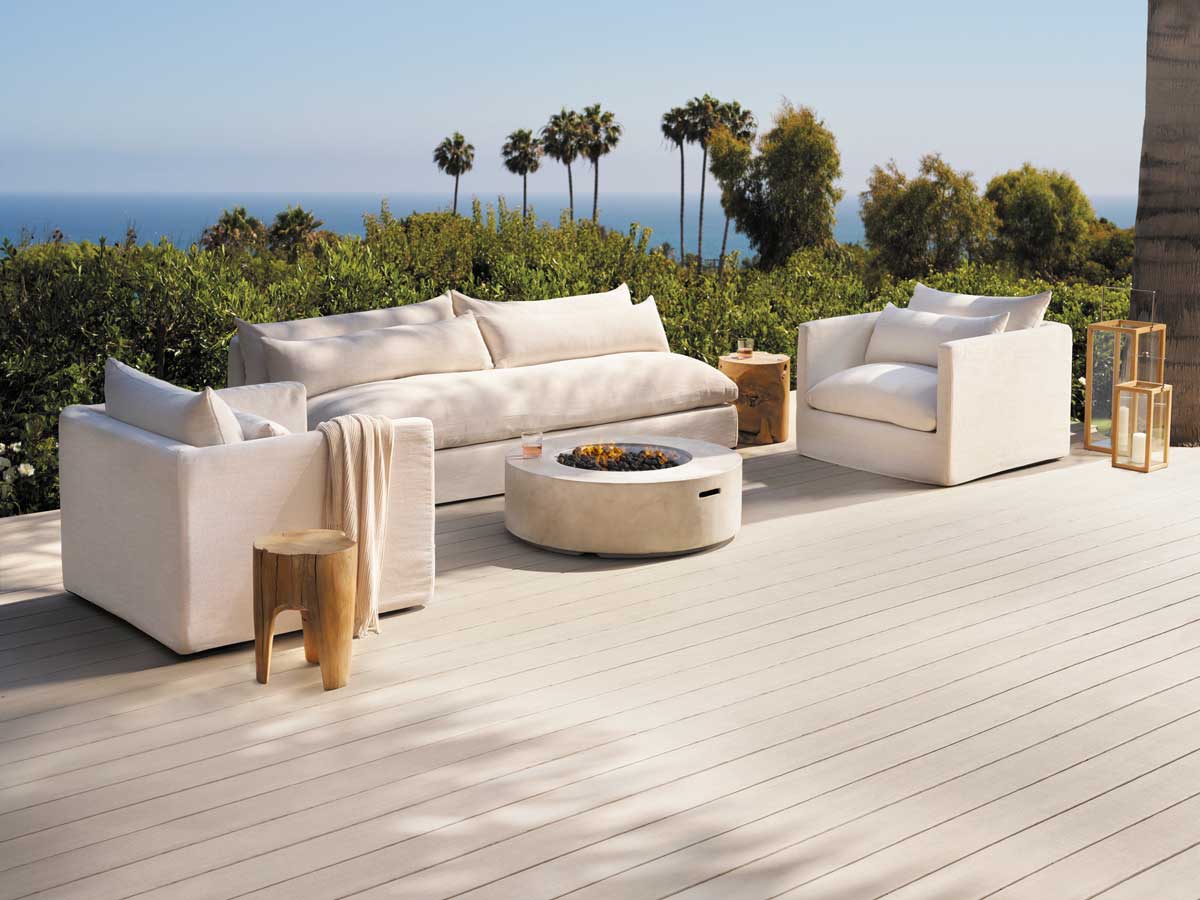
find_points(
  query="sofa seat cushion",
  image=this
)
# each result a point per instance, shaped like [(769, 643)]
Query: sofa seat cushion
[(903, 394), (478, 407)]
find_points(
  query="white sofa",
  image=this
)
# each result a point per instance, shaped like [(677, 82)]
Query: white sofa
[(612, 385), (160, 533), (994, 402)]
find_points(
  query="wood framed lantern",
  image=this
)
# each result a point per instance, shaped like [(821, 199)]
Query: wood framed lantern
[(1142, 433), (1119, 352)]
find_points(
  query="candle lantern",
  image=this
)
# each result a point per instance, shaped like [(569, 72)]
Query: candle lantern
[(1120, 352), (1142, 431)]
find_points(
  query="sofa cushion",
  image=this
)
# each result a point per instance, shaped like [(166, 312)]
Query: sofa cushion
[(477, 407), (906, 336), (250, 335), (901, 393), (325, 364), (1023, 312), (617, 296), (201, 419), (283, 402), (256, 427), (531, 340)]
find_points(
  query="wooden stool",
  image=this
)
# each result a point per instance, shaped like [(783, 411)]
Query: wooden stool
[(764, 383), (316, 572)]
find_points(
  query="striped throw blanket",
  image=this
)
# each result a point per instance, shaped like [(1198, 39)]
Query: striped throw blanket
[(356, 500)]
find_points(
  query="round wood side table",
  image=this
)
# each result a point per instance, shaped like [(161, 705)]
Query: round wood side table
[(764, 383), (316, 572)]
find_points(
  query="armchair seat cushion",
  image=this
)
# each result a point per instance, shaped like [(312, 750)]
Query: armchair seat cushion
[(903, 394)]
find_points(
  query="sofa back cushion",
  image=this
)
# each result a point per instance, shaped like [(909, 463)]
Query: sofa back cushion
[(618, 296), (907, 336), (326, 364), (199, 418), (527, 340), (1023, 312), (250, 336)]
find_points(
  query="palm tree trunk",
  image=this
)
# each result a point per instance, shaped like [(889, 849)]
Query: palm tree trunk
[(1166, 249), (571, 192), (454, 208), (682, 252), (724, 244), (595, 189), (700, 234), (524, 194)]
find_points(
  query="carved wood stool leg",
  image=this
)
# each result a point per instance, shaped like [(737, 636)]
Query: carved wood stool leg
[(264, 615), (311, 652), (336, 589)]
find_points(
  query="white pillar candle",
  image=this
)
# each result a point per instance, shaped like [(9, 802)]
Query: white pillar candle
[(1122, 431), (1138, 452)]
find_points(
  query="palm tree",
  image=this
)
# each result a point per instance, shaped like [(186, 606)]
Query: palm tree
[(1165, 233), (675, 129), (562, 139), (601, 134), (703, 115), (235, 230), (522, 154), (292, 229), (741, 125), (454, 156)]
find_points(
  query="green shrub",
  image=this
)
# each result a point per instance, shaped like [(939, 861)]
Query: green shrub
[(65, 308)]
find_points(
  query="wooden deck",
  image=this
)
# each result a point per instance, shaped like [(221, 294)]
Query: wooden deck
[(878, 689)]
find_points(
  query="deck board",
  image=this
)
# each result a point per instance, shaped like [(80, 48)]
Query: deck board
[(878, 687)]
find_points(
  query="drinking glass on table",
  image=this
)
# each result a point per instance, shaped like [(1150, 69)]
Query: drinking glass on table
[(745, 348), (531, 444)]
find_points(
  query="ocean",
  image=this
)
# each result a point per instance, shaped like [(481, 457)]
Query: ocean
[(182, 217)]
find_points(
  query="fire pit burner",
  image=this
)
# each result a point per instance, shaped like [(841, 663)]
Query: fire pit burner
[(624, 457)]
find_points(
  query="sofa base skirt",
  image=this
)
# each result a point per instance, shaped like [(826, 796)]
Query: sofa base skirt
[(477, 470)]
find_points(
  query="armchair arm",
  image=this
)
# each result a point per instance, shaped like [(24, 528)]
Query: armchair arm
[(1004, 400), (826, 346)]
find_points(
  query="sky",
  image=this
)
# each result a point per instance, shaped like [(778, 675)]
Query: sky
[(307, 96)]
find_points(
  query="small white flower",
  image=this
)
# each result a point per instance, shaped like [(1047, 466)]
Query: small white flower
[(25, 470), (4, 463), (15, 447), (1082, 380)]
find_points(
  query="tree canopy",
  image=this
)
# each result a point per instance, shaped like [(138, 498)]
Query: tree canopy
[(785, 199), (1044, 219), (932, 222)]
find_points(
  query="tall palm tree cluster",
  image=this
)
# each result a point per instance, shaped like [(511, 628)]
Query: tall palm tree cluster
[(566, 137), (570, 135), (695, 123)]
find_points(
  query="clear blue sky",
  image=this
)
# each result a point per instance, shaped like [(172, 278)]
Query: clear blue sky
[(307, 96)]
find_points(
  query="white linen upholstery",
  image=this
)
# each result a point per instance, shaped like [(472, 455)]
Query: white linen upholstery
[(530, 340), (1003, 401), (159, 533), (248, 344), (479, 407), (1023, 312), (477, 470), (617, 296), (901, 393), (905, 336), (285, 402), (255, 428), (201, 419), (325, 364)]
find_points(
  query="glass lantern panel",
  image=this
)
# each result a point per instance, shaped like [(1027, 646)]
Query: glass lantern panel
[(1158, 431), (1132, 426), (1150, 357), (1100, 390)]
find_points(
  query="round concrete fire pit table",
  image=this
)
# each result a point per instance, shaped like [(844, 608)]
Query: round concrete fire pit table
[(661, 512)]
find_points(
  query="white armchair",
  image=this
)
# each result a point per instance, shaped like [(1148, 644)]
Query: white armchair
[(1002, 401), (160, 533)]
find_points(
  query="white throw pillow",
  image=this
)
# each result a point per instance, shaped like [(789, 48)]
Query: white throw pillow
[(325, 364), (201, 419), (906, 336), (1023, 312), (578, 303), (529, 340), (250, 336), (256, 427), (900, 393)]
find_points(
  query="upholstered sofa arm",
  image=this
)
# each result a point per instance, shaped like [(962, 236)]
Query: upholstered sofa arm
[(1004, 399), (828, 346)]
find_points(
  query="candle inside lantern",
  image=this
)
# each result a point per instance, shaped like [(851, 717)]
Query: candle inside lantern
[(1138, 452), (1123, 431)]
